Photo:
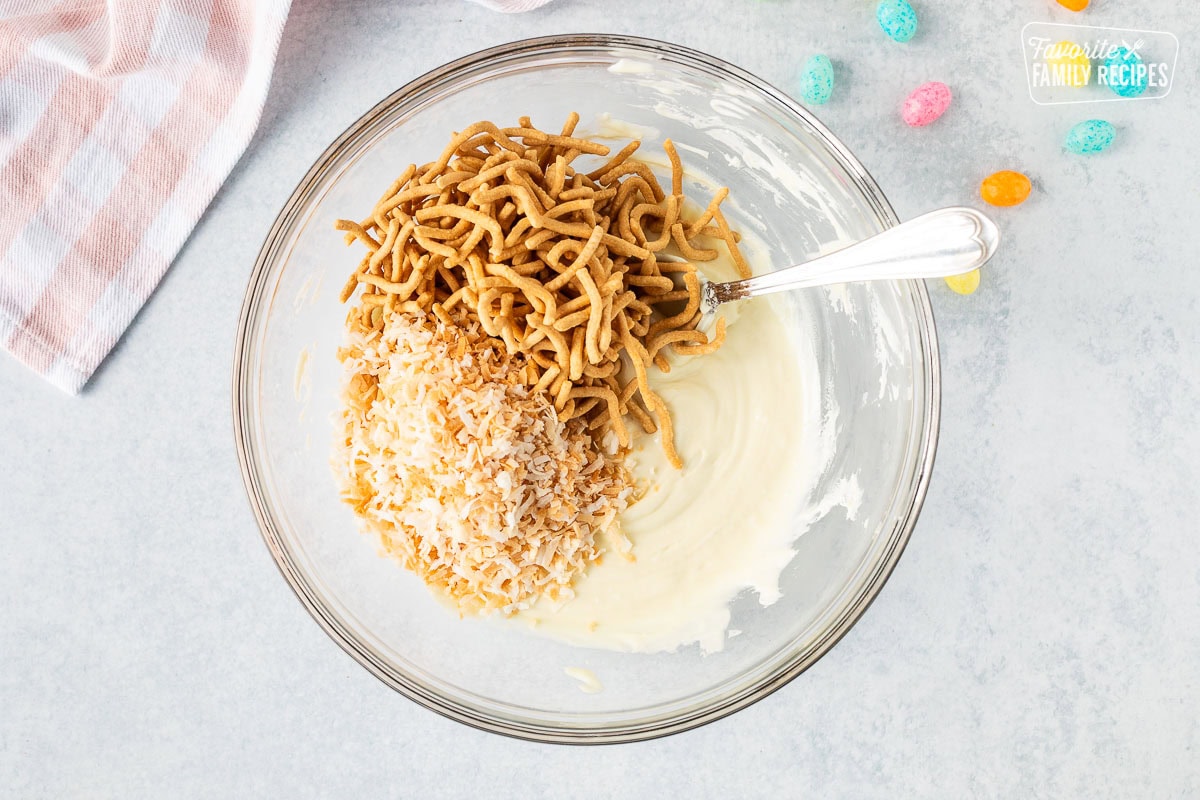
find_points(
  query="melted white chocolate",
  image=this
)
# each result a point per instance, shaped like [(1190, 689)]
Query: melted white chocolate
[(722, 524)]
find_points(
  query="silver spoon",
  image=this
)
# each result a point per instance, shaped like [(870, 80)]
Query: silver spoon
[(942, 243)]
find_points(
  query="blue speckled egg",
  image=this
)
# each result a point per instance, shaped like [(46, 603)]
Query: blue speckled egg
[(1126, 73), (1091, 136), (816, 81), (897, 18)]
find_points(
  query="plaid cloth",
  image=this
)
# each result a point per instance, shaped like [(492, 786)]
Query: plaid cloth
[(118, 122)]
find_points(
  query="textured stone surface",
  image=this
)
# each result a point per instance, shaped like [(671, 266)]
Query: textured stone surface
[(1040, 637)]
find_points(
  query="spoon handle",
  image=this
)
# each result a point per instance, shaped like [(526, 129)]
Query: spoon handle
[(949, 241)]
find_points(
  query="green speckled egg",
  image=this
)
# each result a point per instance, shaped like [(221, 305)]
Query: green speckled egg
[(1091, 136), (816, 81)]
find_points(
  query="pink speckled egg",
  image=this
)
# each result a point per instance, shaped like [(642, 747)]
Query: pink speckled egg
[(926, 103)]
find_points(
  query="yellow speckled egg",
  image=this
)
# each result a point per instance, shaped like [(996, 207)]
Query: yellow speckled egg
[(965, 283), (1069, 64)]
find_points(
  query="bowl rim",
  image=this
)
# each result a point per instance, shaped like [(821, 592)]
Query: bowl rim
[(248, 449)]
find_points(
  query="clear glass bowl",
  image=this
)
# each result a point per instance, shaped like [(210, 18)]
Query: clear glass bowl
[(877, 384)]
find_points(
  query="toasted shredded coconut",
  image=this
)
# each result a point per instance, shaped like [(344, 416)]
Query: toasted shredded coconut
[(468, 477)]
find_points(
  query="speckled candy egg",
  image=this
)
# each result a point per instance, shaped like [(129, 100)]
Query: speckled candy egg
[(926, 103), (966, 283), (1069, 63), (816, 81), (897, 18), (1125, 73), (1091, 136), (1005, 188)]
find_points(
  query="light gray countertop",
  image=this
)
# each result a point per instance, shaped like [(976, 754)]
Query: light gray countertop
[(1039, 638)]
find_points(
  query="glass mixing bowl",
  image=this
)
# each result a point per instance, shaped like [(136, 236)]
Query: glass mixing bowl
[(875, 392)]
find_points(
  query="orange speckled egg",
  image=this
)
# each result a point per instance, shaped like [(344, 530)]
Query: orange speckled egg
[(1005, 188)]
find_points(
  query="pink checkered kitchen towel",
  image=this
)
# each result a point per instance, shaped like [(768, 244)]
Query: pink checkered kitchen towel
[(119, 119)]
